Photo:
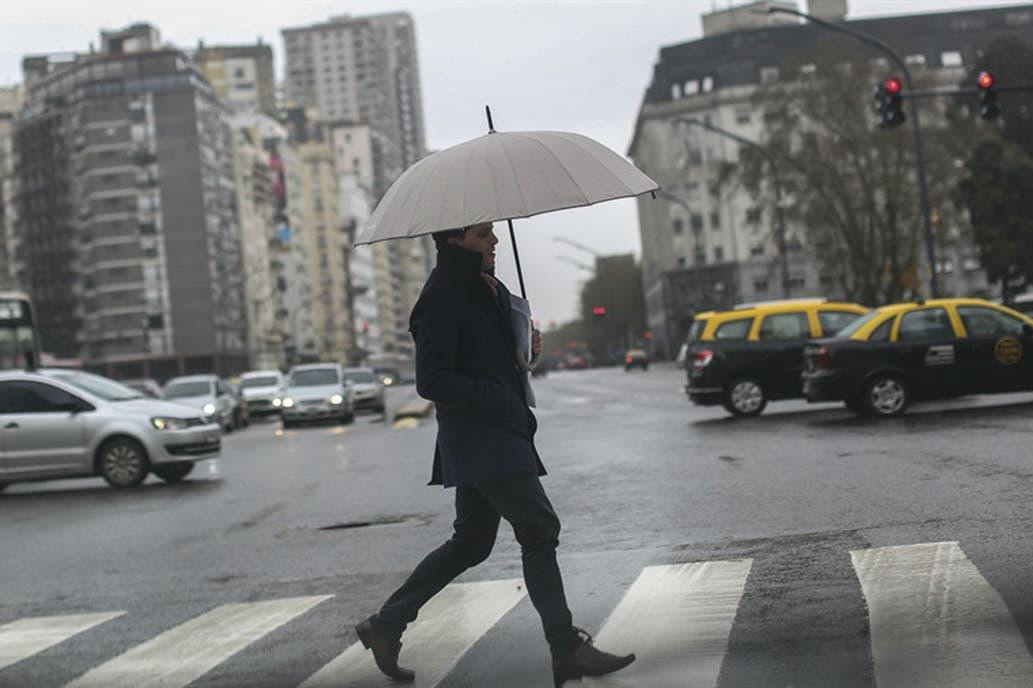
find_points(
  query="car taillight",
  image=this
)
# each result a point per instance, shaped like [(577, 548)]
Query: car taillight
[(822, 357), (701, 359)]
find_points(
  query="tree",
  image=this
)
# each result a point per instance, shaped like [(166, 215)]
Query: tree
[(996, 192), (616, 286), (850, 187)]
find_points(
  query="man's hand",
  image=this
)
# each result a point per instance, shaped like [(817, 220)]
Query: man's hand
[(536, 343)]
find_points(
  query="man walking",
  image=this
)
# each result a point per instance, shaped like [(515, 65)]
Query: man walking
[(466, 363)]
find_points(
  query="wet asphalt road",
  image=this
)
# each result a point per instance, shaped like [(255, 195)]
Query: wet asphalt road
[(638, 476)]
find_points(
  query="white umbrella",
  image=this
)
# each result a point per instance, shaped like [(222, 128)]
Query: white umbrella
[(502, 176)]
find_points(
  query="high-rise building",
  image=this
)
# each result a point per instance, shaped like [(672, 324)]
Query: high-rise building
[(365, 70), (242, 76), (10, 268), (705, 245), (126, 211)]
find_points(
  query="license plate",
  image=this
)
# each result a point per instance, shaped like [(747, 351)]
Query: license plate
[(211, 437)]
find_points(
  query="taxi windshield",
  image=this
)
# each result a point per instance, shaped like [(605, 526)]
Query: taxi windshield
[(858, 324)]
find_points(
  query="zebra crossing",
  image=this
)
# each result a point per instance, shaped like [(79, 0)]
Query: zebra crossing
[(934, 621)]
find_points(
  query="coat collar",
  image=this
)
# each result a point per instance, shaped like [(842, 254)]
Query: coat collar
[(459, 263)]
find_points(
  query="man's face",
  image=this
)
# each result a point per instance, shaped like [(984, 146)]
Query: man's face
[(480, 239)]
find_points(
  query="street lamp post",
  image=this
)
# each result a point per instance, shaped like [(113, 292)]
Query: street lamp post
[(776, 178), (923, 190)]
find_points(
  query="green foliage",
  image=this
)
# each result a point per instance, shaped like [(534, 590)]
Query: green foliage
[(996, 191)]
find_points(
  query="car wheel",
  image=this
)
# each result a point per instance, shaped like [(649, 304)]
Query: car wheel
[(745, 397), (122, 462), (886, 395), (173, 472), (348, 418)]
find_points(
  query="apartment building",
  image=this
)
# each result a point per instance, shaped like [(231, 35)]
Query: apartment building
[(10, 269), (126, 210), (242, 76)]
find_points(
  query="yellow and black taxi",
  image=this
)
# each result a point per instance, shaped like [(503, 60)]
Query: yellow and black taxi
[(744, 357), (921, 350)]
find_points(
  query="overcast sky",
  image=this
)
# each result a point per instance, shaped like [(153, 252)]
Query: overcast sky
[(576, 66)]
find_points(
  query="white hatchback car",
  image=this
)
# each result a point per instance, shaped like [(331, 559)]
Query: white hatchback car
[(69, 424)]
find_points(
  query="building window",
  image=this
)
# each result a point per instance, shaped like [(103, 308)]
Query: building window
[(708, 84), (760, 286), (675, 92), (797, 282), (692, 87), (742, 116), (951, 58), (753, 215), (676, 227), (697, 222), (715, 220), (768, 74), (808, 69), (757, 250), (681, 262), (915, 60), (719, 253), (699, 255)]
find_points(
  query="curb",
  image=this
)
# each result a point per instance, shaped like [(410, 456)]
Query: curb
[(414, 408)]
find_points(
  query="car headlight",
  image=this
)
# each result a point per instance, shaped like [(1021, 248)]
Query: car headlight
[(208, 408), (288, 402), (277, 402), (388, 380), (336, 399), (161, 423)]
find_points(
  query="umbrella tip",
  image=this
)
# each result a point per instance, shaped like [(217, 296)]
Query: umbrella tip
[(491, 125)]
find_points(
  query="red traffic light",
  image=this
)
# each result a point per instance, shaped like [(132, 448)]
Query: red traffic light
[(893, 86), (599, 310), (986, 80)]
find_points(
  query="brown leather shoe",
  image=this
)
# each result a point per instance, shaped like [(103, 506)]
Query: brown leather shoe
[(385, 651), (587, 660)]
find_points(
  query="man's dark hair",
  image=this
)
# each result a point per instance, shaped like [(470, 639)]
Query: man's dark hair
[(441, 238)]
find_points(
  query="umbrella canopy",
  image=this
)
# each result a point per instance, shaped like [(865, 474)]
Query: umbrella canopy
[(502, 176)]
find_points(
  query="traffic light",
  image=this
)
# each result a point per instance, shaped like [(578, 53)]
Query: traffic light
[(599, 311), (889, 103), (988, 109)]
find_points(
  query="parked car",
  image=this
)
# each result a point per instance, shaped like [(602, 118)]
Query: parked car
[(145, 386), (263, 391), (367, 389), (636, 358), (750, 355), (317, 391), (921, 350), (59, 423), (208, 393)]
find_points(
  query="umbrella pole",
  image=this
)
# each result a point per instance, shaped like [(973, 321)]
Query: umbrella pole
[(516, 255)]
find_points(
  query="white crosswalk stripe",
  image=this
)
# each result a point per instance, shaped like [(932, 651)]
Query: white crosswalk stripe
[(192, 649), (447, 627), (676, 619), (24, 638), (935, 621)]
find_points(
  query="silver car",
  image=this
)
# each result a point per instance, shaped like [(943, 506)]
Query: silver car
[(70, 424), (263, 391), (212, 397), (367, 389), (317, 391)]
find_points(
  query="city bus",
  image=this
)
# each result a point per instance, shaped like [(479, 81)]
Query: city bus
[(19, 338)]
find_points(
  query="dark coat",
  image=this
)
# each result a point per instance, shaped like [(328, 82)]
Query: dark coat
[(466, 364)]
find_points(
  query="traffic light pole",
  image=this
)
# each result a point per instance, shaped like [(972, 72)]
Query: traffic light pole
[(923, 189), (776, 180)]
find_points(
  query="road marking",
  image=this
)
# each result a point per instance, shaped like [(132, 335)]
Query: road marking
[(447, 627), (676, 619), (935, 621), (406, 423), (26, 637), (185, 653)]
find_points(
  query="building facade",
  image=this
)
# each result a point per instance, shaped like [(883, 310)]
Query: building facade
[(242, 76), (710, 245), (10, 268), (126, 211)]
